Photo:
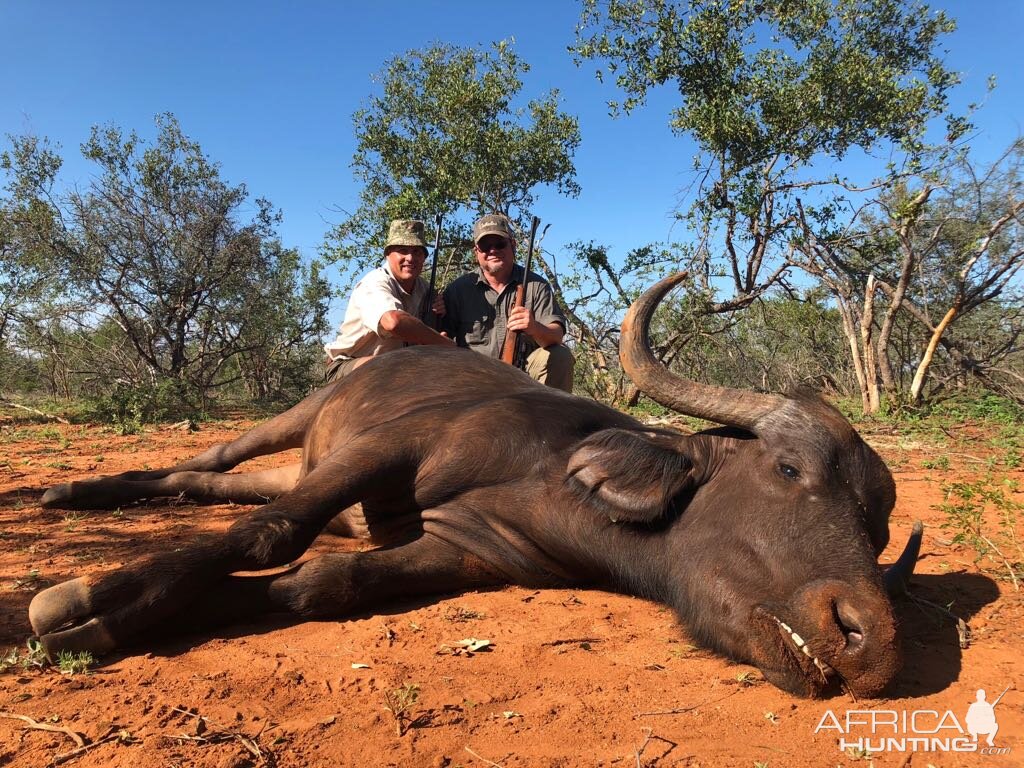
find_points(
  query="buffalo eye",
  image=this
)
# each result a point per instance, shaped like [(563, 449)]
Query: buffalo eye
[(790, 472)]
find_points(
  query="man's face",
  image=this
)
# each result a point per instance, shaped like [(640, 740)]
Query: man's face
[(406, 262), (496, 255)]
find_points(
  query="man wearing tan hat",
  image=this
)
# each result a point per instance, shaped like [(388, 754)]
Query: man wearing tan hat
[(383, 311), (478, 307)]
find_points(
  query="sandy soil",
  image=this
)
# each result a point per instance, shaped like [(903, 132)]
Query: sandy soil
[(569, 678)]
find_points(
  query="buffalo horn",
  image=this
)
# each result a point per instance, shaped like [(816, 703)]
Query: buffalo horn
[(897, 576), (722, 405)]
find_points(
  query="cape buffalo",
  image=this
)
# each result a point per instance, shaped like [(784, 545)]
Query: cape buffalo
[(763, 535)]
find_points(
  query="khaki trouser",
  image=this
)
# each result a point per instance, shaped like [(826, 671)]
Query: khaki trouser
[(552, 366), (340, 368)]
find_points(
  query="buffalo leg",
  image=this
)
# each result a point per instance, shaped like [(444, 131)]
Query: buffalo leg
[(241, 488), (99, 614), (281, 433), (340, 584)]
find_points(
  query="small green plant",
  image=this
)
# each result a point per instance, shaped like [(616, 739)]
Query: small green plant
[(72, 519), (1013, 459), (129, 425), (74, 663), (50, 433), (33, 657), (459, 614), (399, 703), (31, 581), (973, 509), (35, 654), (9, 660), (942, 462)]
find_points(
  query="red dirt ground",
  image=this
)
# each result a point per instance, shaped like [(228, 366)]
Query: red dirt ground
[(570, 678)]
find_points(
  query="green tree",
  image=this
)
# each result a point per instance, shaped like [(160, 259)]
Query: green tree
[(30, 280), (936, 247), (969, 241), (281, 349), (156, 245), (448, 133), (776, 94)]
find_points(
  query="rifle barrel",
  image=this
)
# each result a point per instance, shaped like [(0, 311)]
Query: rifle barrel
[(1000, 696), (427, 301)]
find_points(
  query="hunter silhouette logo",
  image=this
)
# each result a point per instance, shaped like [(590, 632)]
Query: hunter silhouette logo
[(920, 730), (981, 717)]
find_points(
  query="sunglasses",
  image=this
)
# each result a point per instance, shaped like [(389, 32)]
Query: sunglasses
[(492, 244)]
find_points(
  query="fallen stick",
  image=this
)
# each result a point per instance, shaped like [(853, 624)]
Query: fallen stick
[(61, 419), (77, 738), (82, 750), (649, 737), (571, 640), (684, 710), (963, 631), (489, 762), (221, 733)]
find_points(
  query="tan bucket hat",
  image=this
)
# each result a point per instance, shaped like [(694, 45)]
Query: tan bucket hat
[(406, 232)]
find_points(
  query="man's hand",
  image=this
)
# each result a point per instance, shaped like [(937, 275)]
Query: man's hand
[(438, 305), (404, 326), (521, 319)]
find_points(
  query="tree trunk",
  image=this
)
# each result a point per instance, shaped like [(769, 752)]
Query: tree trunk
[(929, 353), (850, 331), (910, 259), (600, 364), (866, 329)]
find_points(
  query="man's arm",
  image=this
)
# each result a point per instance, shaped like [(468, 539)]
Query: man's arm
[(540, 303), (404, 326)]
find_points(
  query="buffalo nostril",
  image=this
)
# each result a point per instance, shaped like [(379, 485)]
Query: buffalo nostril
[(849, 624)]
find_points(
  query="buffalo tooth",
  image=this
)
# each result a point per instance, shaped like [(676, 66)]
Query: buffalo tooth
[(785, 626), (807, 652), (797, 639)]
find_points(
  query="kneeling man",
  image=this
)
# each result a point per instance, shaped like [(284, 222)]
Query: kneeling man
[(383, 311), (479, 308)]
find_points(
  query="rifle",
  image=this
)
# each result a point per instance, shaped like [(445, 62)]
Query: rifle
[(1000, 697), (427, 301), (512, 350)]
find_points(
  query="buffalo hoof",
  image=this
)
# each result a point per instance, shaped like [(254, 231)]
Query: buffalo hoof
[(59, 496), (54, 614), (350, 524)]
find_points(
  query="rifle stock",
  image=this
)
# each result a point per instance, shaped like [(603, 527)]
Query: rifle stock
[(510, 349)]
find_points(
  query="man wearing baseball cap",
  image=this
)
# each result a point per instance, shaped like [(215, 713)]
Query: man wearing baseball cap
[(383, 311), (478, 307)]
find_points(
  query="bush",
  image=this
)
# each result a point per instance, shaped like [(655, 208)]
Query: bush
[(128, 407)]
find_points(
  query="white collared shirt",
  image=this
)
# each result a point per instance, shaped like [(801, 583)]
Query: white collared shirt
[(377, 293)]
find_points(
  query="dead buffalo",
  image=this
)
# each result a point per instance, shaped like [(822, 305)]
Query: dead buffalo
[(762, 535)]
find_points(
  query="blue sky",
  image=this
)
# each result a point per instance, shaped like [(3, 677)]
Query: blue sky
[(268, 89)]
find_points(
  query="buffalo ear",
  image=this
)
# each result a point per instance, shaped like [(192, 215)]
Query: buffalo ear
[(630, 476)]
